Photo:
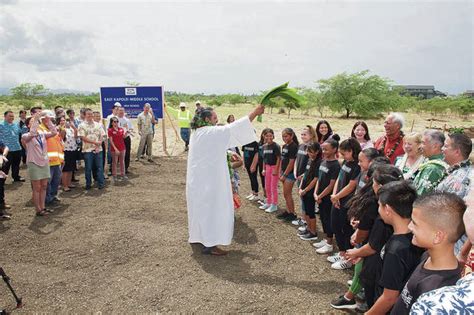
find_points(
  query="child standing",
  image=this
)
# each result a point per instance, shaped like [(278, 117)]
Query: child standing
[(343, 191), (117, 147), (271, 167), (250, 162), (436, 224), (288, 157), (327, 176), (308, 136), (306, 191), (261, 143), (399, 256)]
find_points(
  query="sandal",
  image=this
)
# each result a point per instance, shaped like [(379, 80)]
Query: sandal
[(48, 210), (67, 190), (41, 213)]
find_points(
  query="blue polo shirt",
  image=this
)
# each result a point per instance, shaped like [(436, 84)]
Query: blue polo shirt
[(10, 135)]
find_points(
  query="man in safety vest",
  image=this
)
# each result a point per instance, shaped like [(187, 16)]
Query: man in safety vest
[(184, 119), (55, 156)]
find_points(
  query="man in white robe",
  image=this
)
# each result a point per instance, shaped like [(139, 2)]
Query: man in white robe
[(208, 187)]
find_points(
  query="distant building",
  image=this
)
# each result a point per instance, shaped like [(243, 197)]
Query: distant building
[(421, 91), (469, 93)]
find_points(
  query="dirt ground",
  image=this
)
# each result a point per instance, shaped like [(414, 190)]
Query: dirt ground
[(124, 249)]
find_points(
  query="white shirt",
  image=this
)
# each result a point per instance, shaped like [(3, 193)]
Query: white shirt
[(208, 188)]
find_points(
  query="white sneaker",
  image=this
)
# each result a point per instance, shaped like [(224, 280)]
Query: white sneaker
[(249, 196), (264, 206), (320, 244), (253, 198), (298, 222), (271, 209), (349, 283), (326, 249), (302, 228), (334, 258), (262, 202), (341, 264)]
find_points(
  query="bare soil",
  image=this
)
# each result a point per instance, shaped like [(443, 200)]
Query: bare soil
[(124, 249)]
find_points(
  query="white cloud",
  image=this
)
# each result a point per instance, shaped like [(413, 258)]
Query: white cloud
[(234, 46)]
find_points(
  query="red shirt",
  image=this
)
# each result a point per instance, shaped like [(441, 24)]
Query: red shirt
[(117, 137), (389, 145)]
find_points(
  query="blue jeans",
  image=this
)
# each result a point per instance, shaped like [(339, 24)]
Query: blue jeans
[(53, 183), (185, 132), (92, 159), (109, 155)]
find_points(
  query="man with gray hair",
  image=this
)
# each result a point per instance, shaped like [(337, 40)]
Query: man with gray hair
[(391, 144), (145, 121), (432, 172)]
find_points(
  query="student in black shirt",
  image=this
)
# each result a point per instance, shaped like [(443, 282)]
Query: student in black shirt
[(306, 191), (379, 232), (343, 191), (363, 210), (436, 224), (399, 255), (260, 165), (250, 162), (287, 177), (327, 176), (271, 166), (308, 136)]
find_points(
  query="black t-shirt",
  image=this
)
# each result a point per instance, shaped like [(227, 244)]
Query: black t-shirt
[(249, 151), (310, 175), (400, 257), (288, 152), (367, 220), (301, 159), (349, 171), (328, 170), (372, 265), (423, 280), (271, 152)]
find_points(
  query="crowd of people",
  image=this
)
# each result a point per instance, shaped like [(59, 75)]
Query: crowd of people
[(53, 144), (392, 208)]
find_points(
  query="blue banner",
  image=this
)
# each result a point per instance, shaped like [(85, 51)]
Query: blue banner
[(132, 99)]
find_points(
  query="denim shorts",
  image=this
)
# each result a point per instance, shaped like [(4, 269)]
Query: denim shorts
[(290, 177)]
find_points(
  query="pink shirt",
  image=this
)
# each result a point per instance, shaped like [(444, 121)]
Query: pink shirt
[(36, 146)]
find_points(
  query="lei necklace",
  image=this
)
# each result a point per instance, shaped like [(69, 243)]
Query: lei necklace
[(392, 151)]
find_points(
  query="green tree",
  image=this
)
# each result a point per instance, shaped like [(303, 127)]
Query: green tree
[(28, 90), (358, 93)]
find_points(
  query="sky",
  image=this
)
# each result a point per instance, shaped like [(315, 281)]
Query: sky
[(234, 46)]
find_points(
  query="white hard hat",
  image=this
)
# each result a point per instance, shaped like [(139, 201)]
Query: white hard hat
[(198, 102), (182, 104), (118, 104)]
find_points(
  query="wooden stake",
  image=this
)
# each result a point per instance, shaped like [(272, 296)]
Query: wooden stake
[(172, 124), (412, 124), (163, 126)]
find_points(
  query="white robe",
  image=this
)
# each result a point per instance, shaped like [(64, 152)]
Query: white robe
[(208, 188)]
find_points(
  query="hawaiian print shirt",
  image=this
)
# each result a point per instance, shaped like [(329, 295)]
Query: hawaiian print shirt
[(458, 179), (430, 174), (456, 299)]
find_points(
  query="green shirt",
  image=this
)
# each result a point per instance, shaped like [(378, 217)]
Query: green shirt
[(430, 174)]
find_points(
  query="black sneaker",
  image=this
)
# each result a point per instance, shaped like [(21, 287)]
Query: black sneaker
[(290, 217), (309, 237), (282, 215), (342, 303)]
